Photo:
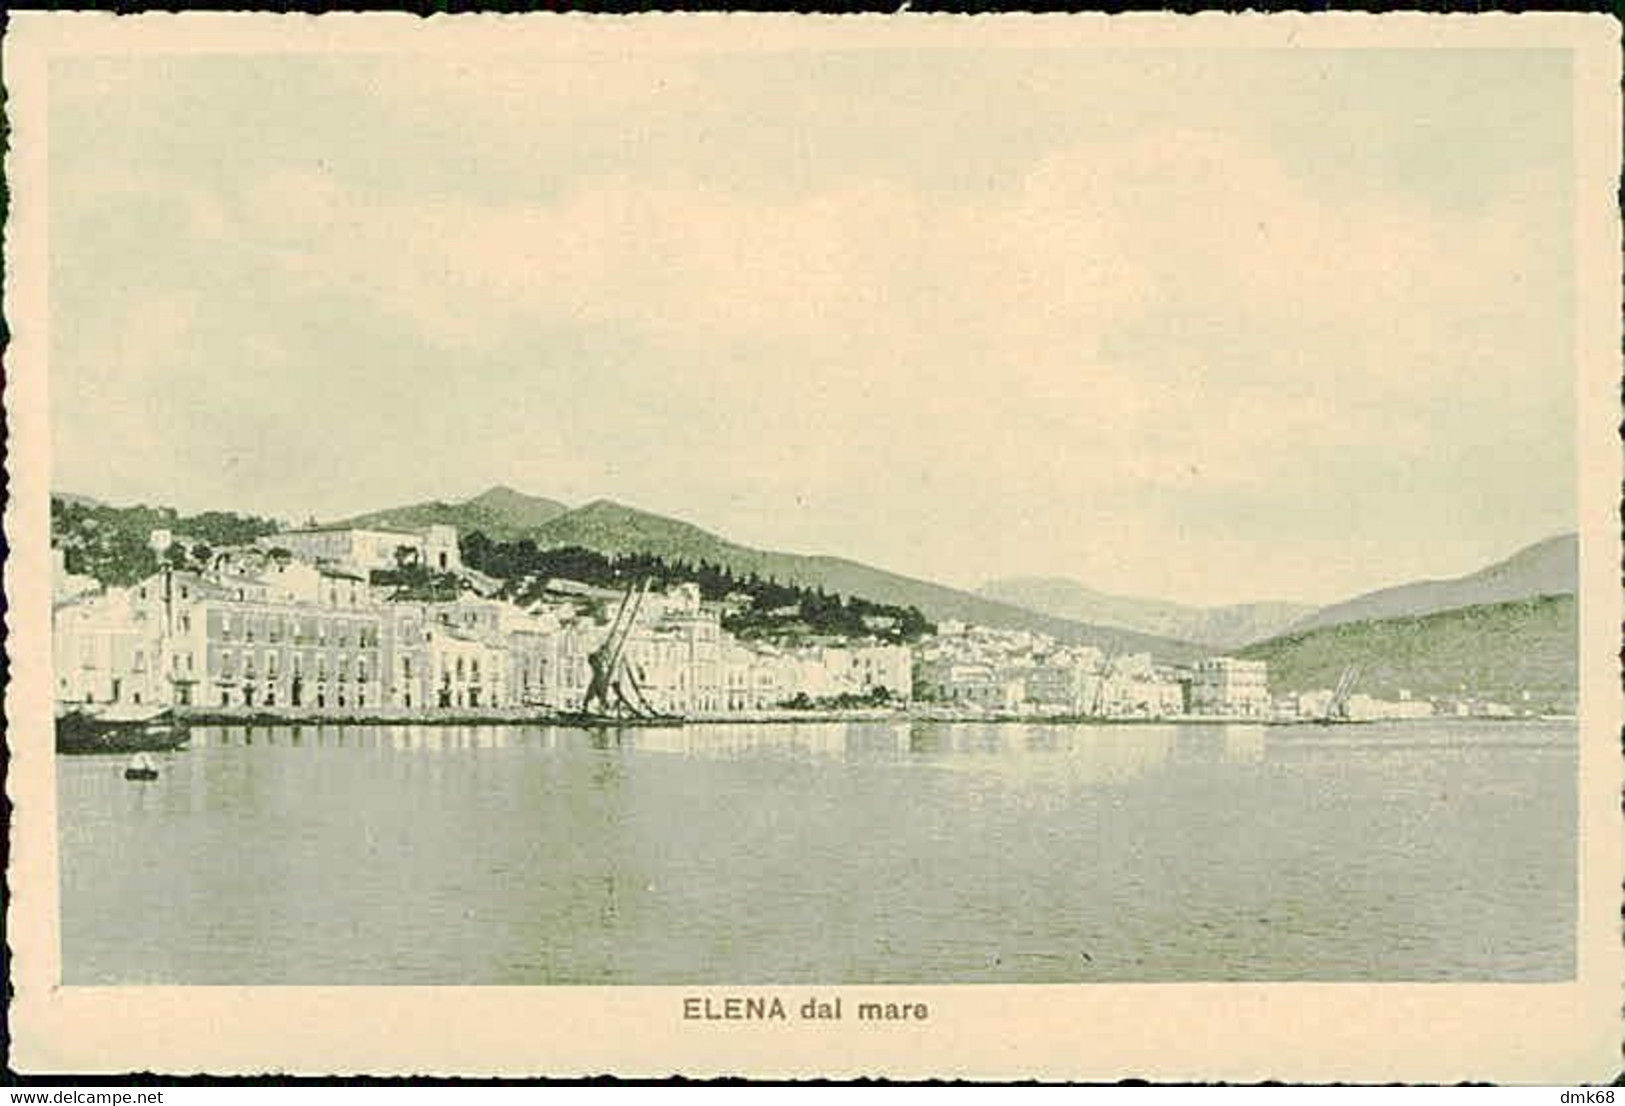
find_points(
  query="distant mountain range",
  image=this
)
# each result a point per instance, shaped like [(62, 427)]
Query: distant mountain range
[(1219, 627), (614, 528), (1550, 567)]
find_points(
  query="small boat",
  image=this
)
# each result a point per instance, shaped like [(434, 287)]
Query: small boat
[(141, 767), (81, 730)]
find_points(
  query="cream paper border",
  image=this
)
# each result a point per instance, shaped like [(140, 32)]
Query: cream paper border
[(1547, 1033)]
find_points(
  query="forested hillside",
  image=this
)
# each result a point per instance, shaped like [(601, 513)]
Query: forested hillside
[(112, 543), (765, 607)]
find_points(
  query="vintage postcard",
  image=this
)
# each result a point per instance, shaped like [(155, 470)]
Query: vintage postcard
[(1068, 547)]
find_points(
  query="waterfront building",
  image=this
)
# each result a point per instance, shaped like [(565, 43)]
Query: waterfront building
[(887, 667), (180, 638), (658, 658), (1147, 696), (1286, 707), (102, 653), (979, 685), (271, 653), (1366, 708), (264, 629), (466, 672), (1314, 704), (1230, 686), (1064, 685), (405, 664), (1017, 671), (766, 676), (686, 642), (532, 642)]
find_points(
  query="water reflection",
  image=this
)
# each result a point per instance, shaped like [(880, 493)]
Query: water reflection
[(731, 742), (864, 852), (1102, 752), (1080, 752), (1244, 743)]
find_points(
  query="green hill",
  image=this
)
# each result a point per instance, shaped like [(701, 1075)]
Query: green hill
[(1493, 651)]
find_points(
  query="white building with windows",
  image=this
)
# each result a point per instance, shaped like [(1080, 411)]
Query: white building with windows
[(1231, 686), (371, 549)]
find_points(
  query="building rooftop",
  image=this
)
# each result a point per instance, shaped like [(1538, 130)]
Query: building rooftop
[(336, 529)]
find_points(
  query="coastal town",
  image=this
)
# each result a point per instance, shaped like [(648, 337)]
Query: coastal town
[(312, 623)]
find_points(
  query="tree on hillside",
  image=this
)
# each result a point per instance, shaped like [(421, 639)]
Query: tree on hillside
[(112, 544), (525, 570)]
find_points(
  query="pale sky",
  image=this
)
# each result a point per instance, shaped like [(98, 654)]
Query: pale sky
[(1208, 326)]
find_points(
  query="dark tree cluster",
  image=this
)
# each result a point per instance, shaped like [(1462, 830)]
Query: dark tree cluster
[(849, 700), (418, 584), (111, 543), (765, 607)]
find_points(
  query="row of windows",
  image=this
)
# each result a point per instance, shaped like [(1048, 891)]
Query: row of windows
[(228, 666), (271, 695), (181, 589), (471, 670), (276, 628)]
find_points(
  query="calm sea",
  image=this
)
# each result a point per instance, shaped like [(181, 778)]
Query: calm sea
[(838, 853)]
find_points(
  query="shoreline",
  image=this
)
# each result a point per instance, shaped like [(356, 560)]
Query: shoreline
[(785, 717)]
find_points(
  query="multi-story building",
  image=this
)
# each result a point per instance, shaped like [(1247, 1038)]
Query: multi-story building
[(103, 651), (1064, 685), (408, 678), (272, 652), (886, 667), (183, 639), (1136, 694), (369, 549), (465, 672), (984, 686), (1230, 686), (756, 677), (681, 655), (263, 628), (533, 661)]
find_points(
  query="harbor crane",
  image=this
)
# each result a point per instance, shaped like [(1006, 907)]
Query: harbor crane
[(1337, 708), (613, 689)]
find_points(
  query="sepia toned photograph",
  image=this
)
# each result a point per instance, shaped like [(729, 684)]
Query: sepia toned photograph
[(807, 514)]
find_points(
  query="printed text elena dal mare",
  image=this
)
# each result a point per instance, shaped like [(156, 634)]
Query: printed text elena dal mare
[(816, 1008)]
